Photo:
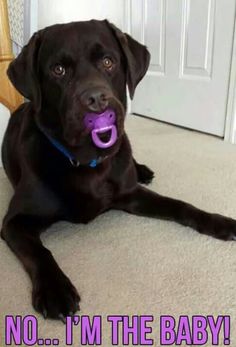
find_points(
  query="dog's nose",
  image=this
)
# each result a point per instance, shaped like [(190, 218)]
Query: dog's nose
[(95, 100)]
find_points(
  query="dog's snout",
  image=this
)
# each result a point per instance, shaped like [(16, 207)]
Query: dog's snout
[(96, 100)]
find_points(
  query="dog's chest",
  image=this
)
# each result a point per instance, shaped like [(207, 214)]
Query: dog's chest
[(87, 195)]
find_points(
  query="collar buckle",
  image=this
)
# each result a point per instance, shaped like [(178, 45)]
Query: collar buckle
[(74, 162)]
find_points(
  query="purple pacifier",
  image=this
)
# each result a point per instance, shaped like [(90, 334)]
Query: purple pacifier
[(100, 124)]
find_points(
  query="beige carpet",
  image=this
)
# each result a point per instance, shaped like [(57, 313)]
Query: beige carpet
[(127, 265)]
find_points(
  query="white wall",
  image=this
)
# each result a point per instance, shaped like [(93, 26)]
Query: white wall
[(4, 117), (62, 11)]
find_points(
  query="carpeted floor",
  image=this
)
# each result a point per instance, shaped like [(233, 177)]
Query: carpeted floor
[(128, 265)]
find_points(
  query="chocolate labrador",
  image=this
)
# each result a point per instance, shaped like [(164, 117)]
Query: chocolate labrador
[(67, 154)]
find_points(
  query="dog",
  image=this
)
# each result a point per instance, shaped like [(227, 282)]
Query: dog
[(66, 152)]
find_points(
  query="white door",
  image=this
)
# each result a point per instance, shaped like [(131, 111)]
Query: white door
[(191, 46)]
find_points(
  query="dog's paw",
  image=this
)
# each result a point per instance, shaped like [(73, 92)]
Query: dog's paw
[(55, 296), (222, 228), (145, 175)]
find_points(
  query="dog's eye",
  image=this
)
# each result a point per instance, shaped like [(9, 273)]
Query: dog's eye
[(58, 70), (107, 63)]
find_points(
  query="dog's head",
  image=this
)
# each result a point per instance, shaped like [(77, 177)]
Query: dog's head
[(69, 70)]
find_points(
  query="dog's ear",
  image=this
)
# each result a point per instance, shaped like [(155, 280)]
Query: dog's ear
[(22, 71), (137, 57)]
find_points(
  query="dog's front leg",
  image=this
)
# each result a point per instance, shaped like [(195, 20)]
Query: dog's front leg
[(53, 294), (147, 203)]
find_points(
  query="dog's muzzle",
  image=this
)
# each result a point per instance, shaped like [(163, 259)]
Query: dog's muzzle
[(100, 125)]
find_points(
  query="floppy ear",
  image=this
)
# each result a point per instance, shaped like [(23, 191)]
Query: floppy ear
[(137, 58), (22, 71)]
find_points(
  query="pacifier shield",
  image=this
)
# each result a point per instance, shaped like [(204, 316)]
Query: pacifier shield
[(103, 123)]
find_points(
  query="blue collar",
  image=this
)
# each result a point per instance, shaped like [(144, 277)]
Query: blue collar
[(93, 163)]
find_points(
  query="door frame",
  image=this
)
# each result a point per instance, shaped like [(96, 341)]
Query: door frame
[(230, 119), (230, 122)]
